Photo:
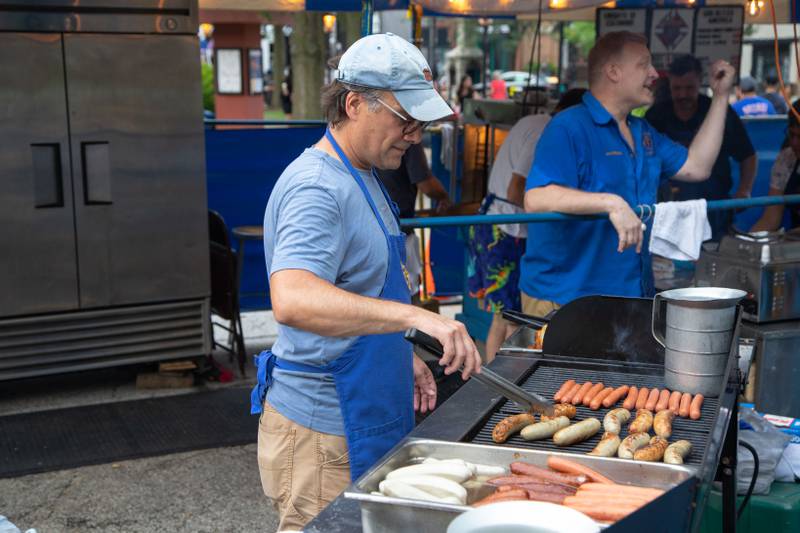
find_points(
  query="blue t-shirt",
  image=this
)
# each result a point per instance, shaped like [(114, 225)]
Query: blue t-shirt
[(753, 106), (582, 148), (317, 219)]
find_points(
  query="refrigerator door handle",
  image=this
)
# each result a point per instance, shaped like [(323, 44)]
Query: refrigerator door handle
[(96, 160), (48, 176)]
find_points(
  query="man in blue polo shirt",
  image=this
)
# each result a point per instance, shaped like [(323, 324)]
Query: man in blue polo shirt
[(597, 158)]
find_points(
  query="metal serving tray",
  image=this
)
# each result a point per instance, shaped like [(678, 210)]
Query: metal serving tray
[(382, 513)]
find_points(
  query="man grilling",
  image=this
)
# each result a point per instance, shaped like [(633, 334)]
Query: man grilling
[(339, 387), (597, 158)]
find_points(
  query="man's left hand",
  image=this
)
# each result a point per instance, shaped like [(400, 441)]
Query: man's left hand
[(443, 205), (741, 193), (721, 77), (424, 387)]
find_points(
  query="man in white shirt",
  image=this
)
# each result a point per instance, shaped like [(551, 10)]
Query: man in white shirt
[(495, 250)]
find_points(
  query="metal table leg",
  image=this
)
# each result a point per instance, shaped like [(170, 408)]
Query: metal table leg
[(726, 472)]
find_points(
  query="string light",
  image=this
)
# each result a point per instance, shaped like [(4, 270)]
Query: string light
[(754, 7), (557, 4), (328, 21)]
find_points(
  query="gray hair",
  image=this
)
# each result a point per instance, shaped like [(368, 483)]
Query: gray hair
[(334, 98)]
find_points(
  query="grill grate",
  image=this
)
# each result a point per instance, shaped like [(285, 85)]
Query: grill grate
[(546, 380)]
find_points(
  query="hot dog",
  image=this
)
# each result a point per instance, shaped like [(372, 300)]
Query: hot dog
[(620, 489), (695, 406), (578, 398), (662, 424), (606, 513), (677, 452), (538, 496), (570, 394), (510, 495), (544, 430), (577, 432), (561, 409), (565, 387), (533, 482), (663, 401), (615, 396), (594, 391), (608, 445), (652, 400), (527, 469), (630, 401), (675, 401), (686, 401), (614, 419), (552, 488), (572, 467), (642, 423), (653, 451), (631, 443), (597, 401), (510, 425), (641, 400)]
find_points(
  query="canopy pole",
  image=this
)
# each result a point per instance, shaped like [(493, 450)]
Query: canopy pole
[(366, 17), (416, 24)]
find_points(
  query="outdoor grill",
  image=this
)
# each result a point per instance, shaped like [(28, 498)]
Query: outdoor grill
[(592, 339)]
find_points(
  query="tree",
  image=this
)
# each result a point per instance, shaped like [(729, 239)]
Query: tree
[(349, 23), (278, 64), (207, 76), (581, 35), (308, 53)]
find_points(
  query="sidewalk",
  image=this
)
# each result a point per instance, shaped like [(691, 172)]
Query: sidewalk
[(208, 490), (202, 491)]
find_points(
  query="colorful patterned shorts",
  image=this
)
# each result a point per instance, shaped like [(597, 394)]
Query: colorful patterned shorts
[(493, 268)]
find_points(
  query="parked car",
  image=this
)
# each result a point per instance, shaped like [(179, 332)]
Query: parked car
[(516, 80)]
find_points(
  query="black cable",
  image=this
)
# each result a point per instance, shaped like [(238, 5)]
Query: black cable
[(536, 40), (752, 481)]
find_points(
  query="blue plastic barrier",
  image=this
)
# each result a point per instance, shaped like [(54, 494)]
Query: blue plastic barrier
[(767, 135), (242, 166)]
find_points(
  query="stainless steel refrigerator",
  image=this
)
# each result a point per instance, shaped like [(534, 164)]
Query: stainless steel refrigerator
[(103, 211)]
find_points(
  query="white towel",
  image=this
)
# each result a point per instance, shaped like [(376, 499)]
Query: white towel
[(679, 229)]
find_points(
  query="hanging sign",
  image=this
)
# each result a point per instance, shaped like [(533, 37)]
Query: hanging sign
[(709, 32), (718, 35), (634, 20)]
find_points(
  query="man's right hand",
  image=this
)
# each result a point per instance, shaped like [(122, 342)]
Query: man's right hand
[(629, 227), (457, 345)]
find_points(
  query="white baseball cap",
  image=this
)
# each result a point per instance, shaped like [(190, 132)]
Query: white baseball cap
[(386, 61)]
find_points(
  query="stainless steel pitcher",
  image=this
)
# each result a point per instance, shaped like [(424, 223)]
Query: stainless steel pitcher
[(695, 326)]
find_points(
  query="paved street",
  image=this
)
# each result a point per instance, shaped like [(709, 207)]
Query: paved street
[(201, 491)]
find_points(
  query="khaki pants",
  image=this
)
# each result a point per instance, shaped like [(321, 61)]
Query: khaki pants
[(301, 470), (536, 307)]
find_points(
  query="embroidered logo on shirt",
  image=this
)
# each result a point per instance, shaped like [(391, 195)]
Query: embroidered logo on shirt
[(614, 152), (647, 142)]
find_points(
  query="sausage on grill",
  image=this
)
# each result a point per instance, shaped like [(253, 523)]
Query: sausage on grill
[(630, 401), (615, 396), (510, 425), (662, 424), (577, 432), (642, 423)]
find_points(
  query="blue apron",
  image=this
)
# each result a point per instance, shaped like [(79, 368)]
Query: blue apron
[(374, 377)]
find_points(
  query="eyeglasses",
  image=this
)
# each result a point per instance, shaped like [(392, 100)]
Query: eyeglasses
[(411, 125)]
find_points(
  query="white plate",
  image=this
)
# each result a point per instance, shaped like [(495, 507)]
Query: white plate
[(523, 517)]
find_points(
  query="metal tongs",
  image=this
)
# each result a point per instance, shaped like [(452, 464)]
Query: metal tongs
[(528, 401)]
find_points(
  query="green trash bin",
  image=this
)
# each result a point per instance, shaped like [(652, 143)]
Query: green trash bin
[(778, 511)]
